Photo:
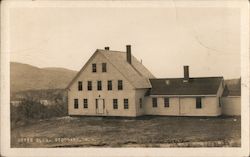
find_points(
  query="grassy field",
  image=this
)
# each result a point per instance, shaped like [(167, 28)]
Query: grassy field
[(150, 131)]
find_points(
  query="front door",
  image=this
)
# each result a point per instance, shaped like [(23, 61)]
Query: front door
[(100, 106)]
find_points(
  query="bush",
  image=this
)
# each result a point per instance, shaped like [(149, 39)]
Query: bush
[(32, 109)]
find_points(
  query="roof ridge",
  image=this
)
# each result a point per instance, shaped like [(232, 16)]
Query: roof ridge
[(133, 57), (183, 78), (111, 51)]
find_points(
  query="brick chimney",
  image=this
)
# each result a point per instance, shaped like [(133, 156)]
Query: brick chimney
[(186, 73), (129, 56), (106, 48)]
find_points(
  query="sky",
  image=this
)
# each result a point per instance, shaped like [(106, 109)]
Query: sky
[(165, 39)]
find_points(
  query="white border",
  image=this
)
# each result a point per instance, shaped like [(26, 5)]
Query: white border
[(5, 118)]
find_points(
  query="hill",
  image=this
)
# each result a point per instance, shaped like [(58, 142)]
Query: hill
[(26, 77)]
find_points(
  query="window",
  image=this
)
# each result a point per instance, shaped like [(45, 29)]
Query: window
[(166, 102), (76, 103), (109, 85), (140, 102), (115, 104), (79, 85), (198, 102), (93, 68), (85, 103), (220, 102), (104, 67), (99, 85), (125, 103), (89, 85), (120, 86), (154, 102)]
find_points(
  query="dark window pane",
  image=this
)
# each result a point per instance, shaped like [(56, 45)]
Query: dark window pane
[(120, 85), (109, 85), (140, 102), (125, 103), (94, 68), (166, 102), (154, 102), (115, 104), (99, 85), (104, 67), (80, 85), (76, 103), (89, 85), (198, 102), (220, 102), (85, 103), (96, 103)]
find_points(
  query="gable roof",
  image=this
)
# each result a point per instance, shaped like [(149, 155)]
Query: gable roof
[(176, 86), (136, 73), (232, 87)]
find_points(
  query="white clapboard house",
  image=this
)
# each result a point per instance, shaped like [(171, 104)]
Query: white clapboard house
[(114, 83)]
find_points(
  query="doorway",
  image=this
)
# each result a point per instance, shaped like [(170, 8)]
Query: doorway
[(100, 106)]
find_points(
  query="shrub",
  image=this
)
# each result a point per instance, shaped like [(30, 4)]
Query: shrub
[(32, 109)]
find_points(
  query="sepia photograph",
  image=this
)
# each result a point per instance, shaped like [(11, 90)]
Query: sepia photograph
[(138, 75)]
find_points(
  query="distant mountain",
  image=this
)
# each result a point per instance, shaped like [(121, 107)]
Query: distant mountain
[(27, 77)]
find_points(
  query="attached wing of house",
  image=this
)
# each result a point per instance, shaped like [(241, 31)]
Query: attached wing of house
[(177, 86)]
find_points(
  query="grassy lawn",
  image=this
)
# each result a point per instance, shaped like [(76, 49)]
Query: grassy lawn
[(149, 131)]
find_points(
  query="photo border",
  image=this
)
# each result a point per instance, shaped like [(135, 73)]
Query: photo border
[(5, 83)]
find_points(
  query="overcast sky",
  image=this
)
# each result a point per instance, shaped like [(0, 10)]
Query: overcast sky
[(206, 39)]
